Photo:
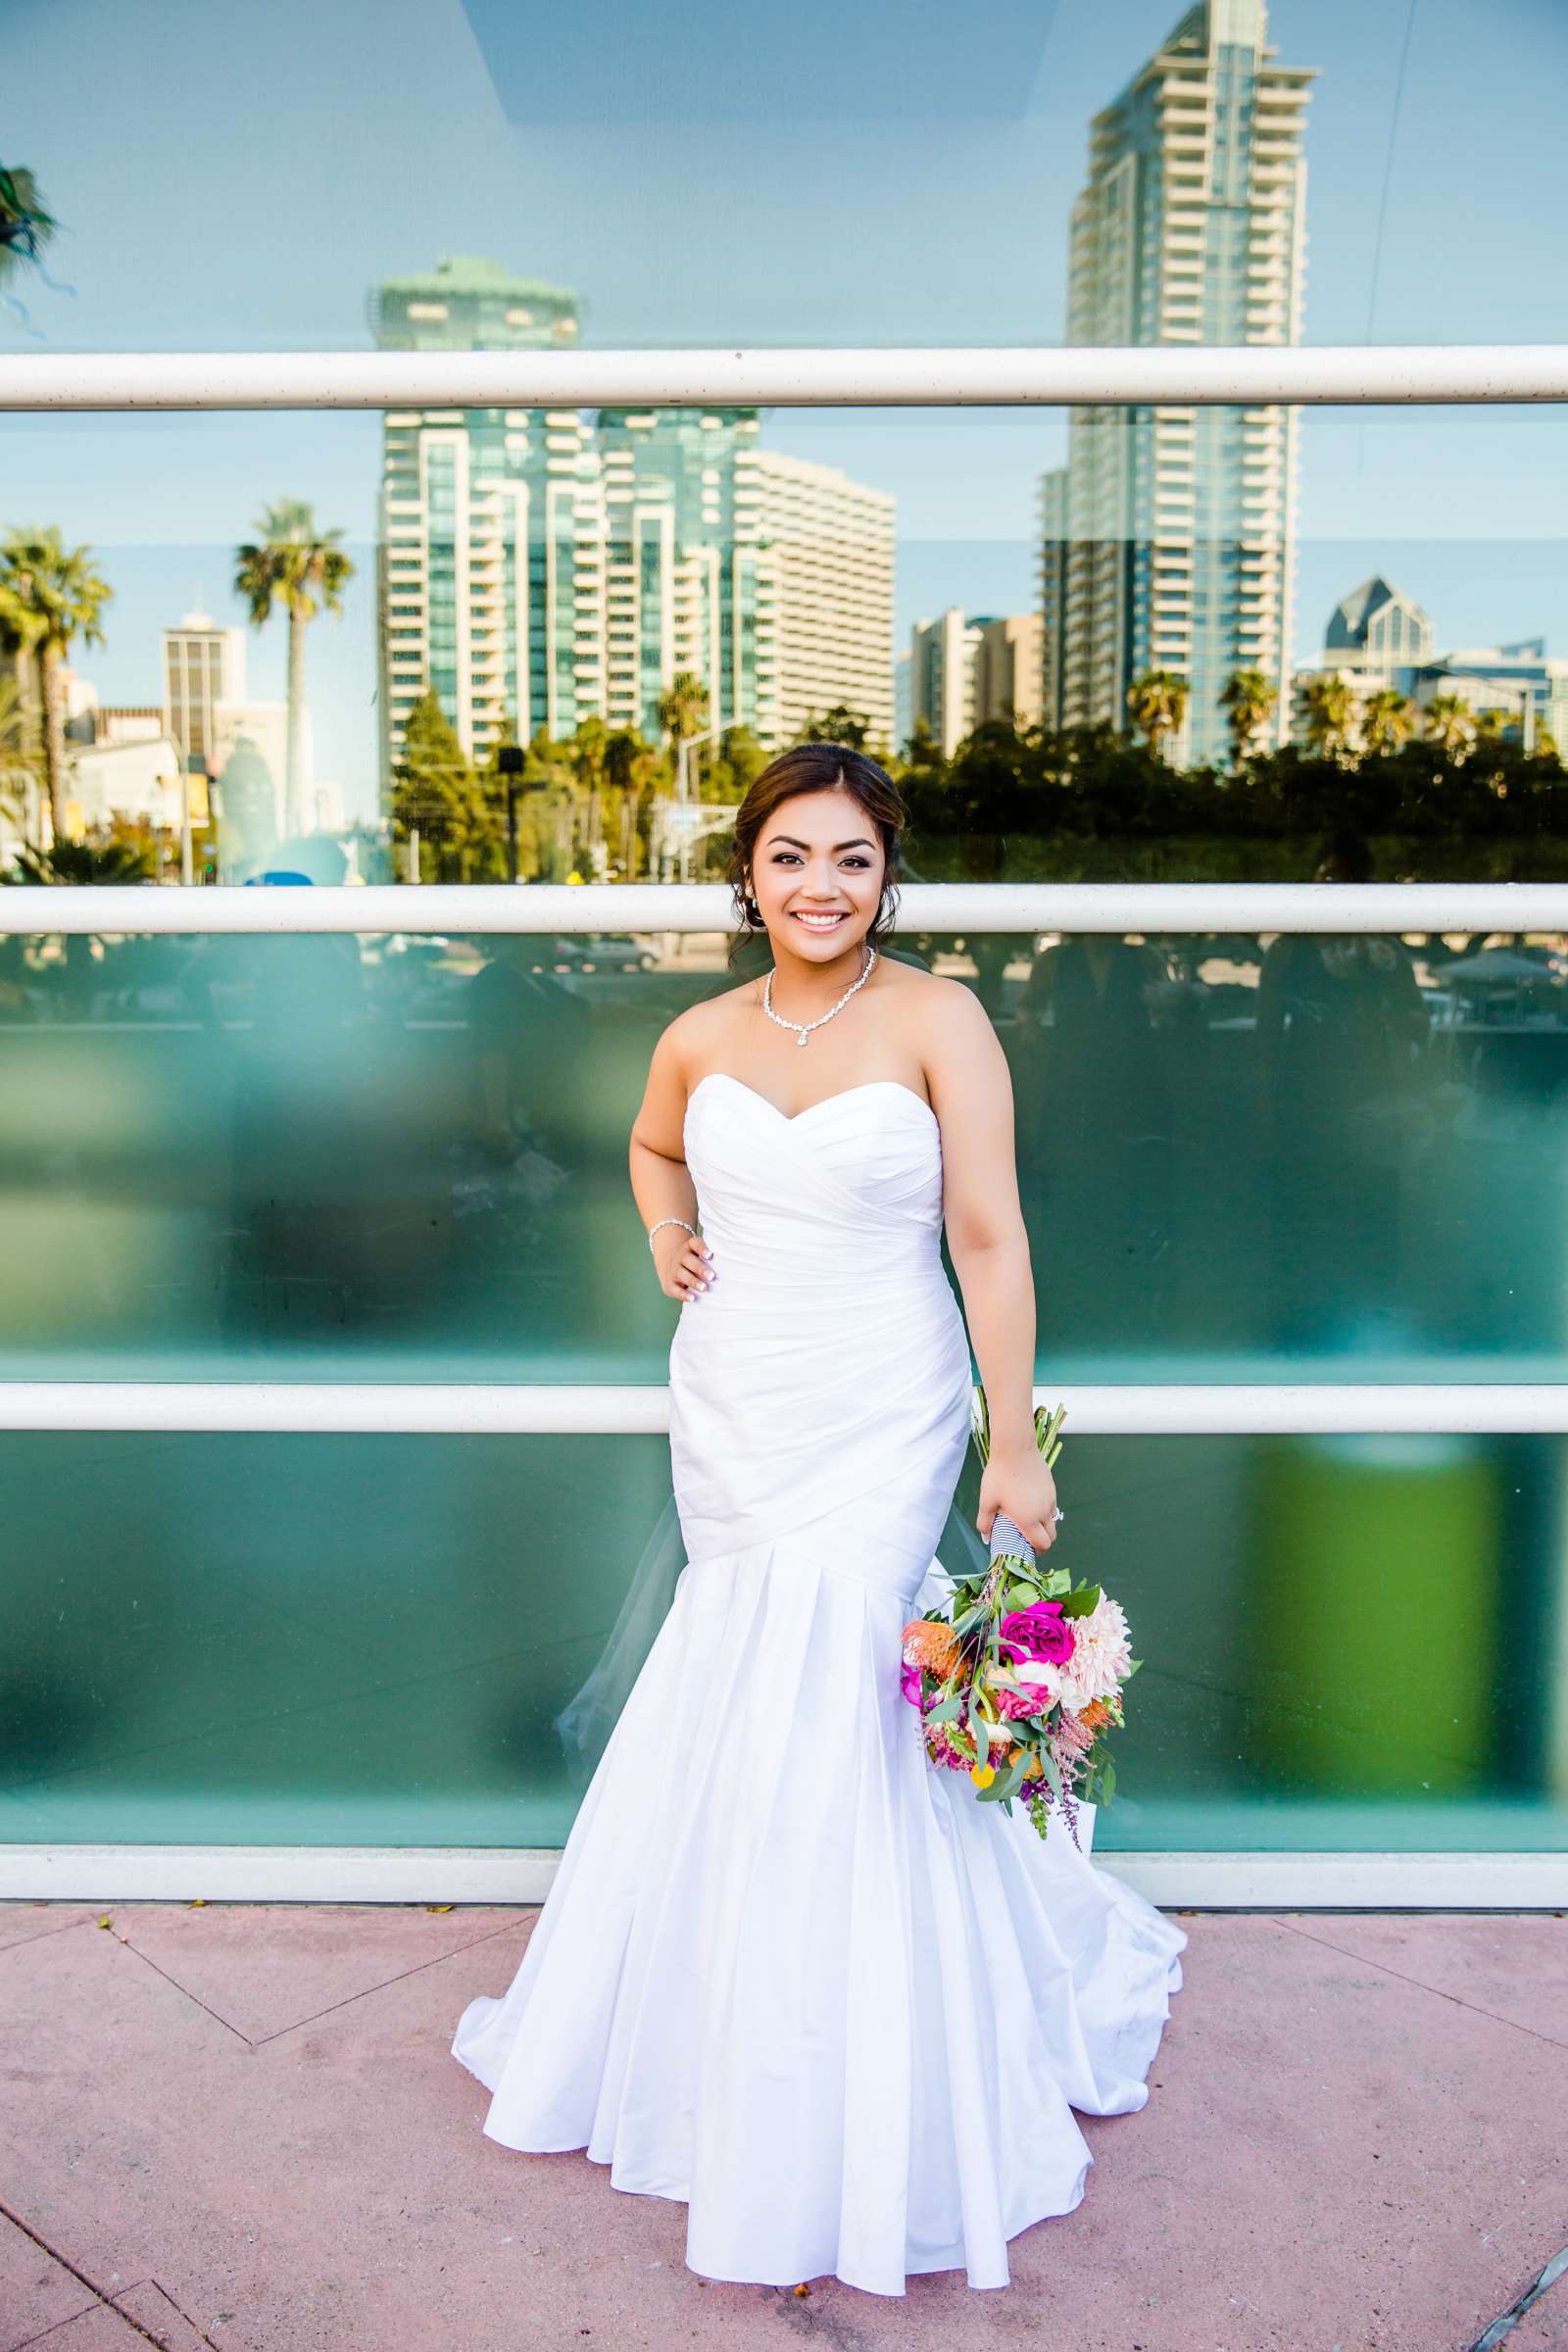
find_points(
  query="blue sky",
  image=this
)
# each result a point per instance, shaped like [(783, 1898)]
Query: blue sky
[(886, 172)]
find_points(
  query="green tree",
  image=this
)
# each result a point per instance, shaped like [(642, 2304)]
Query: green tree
[(1248, 701), (437, 794), (683, 709), (1387, 721), (292, 563), (923, 749), (589, 748), (547, 835), (1156, 704), (633, 769), (18, 751), (1449, 725), (839, 724), (76, 864), (741, 761), (1330, 714), (49, 595), (27, 226)]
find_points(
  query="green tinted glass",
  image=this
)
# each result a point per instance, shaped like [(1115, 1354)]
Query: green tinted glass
[(389, 1640)]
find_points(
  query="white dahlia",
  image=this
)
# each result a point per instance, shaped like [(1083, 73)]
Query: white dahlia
[(1101, 1656)]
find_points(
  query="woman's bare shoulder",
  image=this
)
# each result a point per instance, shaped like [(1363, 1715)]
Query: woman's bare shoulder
[(927, 996), (695, 1036)]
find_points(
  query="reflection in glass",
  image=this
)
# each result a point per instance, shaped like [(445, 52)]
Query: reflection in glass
[(323, 1157), (1352, 1642)]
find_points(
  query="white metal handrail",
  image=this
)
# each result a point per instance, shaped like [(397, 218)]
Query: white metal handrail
[(568, 1408), (961, 376), (960, 908)]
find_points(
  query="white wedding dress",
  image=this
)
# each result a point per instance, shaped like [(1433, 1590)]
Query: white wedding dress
[(789, 1972)]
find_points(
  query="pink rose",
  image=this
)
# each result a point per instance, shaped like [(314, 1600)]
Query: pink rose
[(1040, 1633), (1012, 1703)]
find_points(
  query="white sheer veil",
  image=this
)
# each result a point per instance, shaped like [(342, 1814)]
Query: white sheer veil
[(585, 1723)]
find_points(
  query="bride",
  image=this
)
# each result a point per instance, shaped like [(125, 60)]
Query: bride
[(789, 1972)]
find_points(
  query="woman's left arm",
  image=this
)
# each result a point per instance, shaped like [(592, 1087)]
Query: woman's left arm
[(971, 1092)]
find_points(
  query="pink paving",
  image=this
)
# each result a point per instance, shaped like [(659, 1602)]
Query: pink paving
[(239, 2126)]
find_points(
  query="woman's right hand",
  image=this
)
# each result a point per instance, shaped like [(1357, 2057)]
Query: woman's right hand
[(684, 1263)]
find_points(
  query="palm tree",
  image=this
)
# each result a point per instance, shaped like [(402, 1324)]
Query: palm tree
[(1156, 704), (1387, 721), (49, 593), (1449, 725), (17, 754), (1330, 714), (1248, 701), (588, 750), (304, 569), (26, 228), (683, 710), (630, 767)]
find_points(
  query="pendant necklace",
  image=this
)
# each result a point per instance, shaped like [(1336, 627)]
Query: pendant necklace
[(802, 1029)]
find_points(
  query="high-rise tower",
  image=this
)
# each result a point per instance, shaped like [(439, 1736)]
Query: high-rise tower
[(1168, 539), (491, 574), (545, 566)]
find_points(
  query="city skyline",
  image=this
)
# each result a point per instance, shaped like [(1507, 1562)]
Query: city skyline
[(1457, 506)]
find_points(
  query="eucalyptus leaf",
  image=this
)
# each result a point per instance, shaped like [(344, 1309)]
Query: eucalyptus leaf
[(1080, 1603), (947, 1710)]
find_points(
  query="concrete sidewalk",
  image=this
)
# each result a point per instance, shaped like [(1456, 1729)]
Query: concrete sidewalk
[(241, 2126)]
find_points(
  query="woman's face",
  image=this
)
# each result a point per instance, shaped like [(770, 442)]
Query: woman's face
[(816, 874)]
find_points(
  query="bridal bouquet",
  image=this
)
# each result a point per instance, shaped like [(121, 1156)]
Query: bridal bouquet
[(1019, 1679)]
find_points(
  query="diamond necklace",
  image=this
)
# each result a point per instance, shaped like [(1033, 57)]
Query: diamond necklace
[(802, 1029)]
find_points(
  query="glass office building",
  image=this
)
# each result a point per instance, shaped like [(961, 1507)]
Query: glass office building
[(1169, 538)]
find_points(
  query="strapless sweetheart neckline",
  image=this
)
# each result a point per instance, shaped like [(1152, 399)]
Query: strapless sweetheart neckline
[(789, 1117)]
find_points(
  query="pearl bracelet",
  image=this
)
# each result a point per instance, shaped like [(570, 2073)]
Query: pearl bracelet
[(652, 1228)]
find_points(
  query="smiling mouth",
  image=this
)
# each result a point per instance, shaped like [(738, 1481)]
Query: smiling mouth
[(825, 921)]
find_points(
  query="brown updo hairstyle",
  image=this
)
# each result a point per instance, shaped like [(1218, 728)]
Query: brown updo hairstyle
[(818, 767)]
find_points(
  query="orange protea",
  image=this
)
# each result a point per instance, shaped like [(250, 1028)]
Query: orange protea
[(931, 1646), (1096, 1715)]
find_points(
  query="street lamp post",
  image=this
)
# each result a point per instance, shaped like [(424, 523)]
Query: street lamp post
[(509, 767), (683, 789)]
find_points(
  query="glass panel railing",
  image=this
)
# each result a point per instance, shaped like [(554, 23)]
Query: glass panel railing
[(405, 1158), (1351, 1643)]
